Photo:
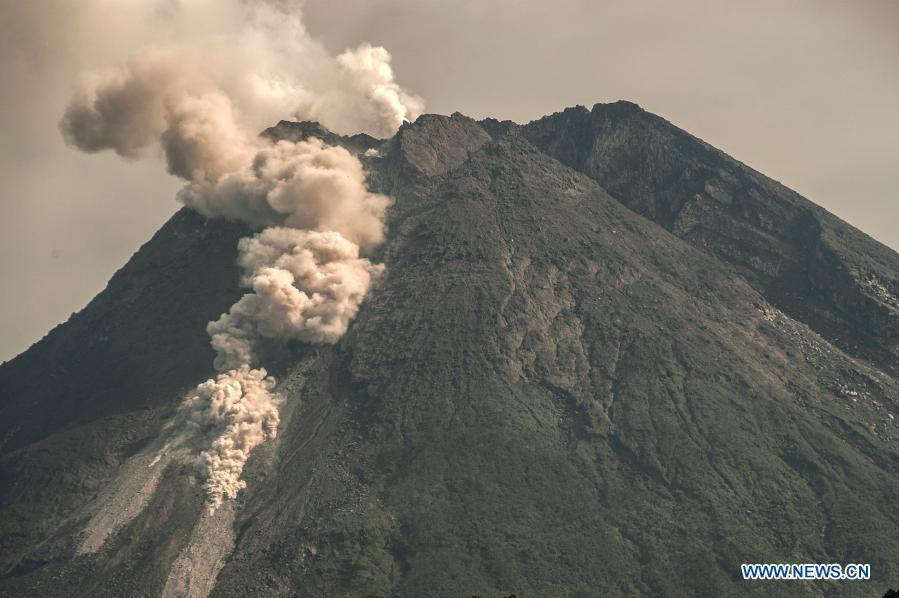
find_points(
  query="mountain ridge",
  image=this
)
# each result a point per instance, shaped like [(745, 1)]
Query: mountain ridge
[(793, 238)]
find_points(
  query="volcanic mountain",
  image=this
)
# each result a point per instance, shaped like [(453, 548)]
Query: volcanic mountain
[(605, 359)]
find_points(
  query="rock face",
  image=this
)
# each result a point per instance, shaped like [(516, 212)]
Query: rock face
[(606, 359)]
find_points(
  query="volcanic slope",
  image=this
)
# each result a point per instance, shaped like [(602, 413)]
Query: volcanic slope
[(548, 394), (840, 282)]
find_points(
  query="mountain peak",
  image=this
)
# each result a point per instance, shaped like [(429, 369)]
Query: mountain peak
[(435, 143), (298, 131), (784, 245), (619, 106), (605, 358)]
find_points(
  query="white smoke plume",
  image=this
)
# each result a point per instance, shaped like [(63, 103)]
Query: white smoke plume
[(306, 285), (304, 185), (235, 412), (266, 68), (202, 99)]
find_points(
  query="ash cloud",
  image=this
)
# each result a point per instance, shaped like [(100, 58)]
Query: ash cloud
[(200, 100), (262, 67), (234, 412), (307, 286), (303, 185)]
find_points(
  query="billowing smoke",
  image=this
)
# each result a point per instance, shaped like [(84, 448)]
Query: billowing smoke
[(202, 101), (264, 69), (307, 286), (234, 413), (304, 185)]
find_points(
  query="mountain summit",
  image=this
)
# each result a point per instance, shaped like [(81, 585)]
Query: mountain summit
[(605, 359)]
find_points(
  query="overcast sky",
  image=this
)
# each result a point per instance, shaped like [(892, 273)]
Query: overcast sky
[(805, 91)]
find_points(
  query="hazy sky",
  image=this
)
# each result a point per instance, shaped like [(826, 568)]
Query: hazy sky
[(805, 91)]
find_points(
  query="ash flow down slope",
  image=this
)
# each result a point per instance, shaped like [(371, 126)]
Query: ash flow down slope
[(547, 393)]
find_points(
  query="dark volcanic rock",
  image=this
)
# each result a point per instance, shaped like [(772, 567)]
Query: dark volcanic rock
[(548, 394), (807, 262), (298, 131), (436, 144)]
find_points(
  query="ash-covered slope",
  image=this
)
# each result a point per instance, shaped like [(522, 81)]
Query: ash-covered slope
[(547, 394)]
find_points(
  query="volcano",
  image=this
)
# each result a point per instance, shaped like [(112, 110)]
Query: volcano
[(605, 359)]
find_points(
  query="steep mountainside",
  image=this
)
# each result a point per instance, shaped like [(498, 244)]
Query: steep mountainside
[(816, 268), (548, 393), (86, 396)]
